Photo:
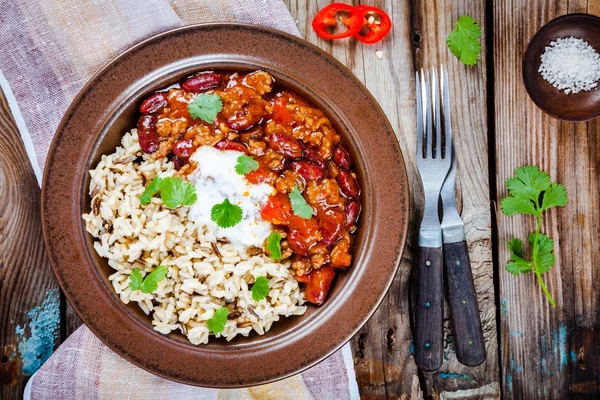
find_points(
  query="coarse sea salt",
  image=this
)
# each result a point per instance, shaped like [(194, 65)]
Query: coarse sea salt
[(571, 64)]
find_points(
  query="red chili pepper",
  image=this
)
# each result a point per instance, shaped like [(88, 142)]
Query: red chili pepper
[(326, 19), (376, 30)]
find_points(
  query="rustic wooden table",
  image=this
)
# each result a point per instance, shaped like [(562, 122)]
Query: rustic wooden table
[(534, 351)]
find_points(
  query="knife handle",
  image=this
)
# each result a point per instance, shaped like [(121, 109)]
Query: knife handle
[(430, 309), (468, 337)]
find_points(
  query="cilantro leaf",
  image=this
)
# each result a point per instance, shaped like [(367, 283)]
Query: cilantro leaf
[(513, 205), (260, 289), (555, 195), (517, 264), (217, 323), (245, 165), (150, 191), (151, 280), (463, 41), (205, 107), (543, 252), (528, 182), (274, 245), (226, 214), (135, 279), (150, 283), (299, 205), (175, 192), (532, 193)]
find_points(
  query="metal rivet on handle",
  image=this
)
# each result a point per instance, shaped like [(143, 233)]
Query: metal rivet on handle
[(428, 263), (464, 301), (470, 341), (427, 304), (427, 345), (457, 262)]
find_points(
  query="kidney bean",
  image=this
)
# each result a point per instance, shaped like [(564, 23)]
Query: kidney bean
[(202, 81), (347, 184), (314, 156), (177, 162), (286, 145), (341, 158), (245, 118), (331, 227), (319, 284), (229, 145), (147, 133), (183, 148), (154, 103), (307, 170), (352, 211)]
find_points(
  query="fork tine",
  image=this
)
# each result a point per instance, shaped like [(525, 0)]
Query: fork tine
[(426, 90), (435, 94), (419, 117), (446, 103)]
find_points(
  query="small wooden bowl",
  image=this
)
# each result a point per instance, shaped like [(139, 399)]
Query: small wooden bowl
[(574, 107)]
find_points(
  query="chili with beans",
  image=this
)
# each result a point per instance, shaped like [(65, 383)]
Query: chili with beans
[(294, 144)]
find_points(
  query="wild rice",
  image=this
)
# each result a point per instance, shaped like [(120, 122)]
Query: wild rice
[(204, 275)]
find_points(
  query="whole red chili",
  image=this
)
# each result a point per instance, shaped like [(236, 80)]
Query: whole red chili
[(325, 20), (376, 30)]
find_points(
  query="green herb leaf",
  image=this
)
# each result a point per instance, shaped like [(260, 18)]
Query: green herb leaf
[(463, 41), (260, 289), (217, 323), (555, 195), (135, 279), (150, 191), (528, 182), (226, 214), (532, 193), (175, 192), (513, 205), (299, 205), (245, 165), (274, 245), (150, 283), (517, 264), (205, 107), (151, 280)]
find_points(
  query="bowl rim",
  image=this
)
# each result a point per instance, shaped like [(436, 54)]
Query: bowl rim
[(270, 31), (527, 80)]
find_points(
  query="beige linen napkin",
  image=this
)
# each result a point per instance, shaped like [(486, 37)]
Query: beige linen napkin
[(48, 50)]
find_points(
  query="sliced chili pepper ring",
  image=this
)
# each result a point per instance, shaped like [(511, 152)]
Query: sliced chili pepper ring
[(326, 19), (376, 30)]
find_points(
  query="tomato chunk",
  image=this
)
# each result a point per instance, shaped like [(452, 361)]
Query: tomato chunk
[(319, 284), (277, 210)]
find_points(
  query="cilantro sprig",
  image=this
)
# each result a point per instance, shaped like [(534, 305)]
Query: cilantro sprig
[(205, 107), (260, 289), (174, 192), (463, 41), (274, 245), (532, 192), (245, 165), (226, 214), (150, 283), (299, 205), (217, 323)]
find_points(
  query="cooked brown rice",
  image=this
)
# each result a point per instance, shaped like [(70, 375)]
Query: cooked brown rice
[(200, 280)]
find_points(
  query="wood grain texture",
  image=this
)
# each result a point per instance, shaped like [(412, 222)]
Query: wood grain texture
[(25, 275), (383, 357), (547, 352)]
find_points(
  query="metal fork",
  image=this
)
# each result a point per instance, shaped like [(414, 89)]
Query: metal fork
[(433, 162), (468, 336)]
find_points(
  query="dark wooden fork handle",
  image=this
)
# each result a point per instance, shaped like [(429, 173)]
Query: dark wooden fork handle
[(468, 337), (430, 309)]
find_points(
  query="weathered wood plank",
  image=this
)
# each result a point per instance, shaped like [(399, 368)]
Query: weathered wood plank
[(546, 352), (382, 349), (28, 290)]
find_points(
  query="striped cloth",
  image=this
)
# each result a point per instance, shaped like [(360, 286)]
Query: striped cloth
[(48, 50)]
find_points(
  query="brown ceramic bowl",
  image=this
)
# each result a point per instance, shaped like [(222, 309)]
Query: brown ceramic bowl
[(107, 107), (573, 107)]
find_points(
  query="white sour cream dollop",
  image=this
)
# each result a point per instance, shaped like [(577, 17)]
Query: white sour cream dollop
[(216, 180)]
